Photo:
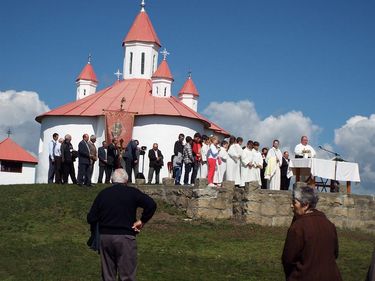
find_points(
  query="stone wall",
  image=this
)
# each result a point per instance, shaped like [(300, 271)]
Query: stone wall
[(264, 207)]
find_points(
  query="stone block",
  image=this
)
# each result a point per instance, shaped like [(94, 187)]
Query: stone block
[(201, 183), (169, 182), (252, 186), (228, 184), (282, 221), (140, 182), (252, 207), (268, 209)]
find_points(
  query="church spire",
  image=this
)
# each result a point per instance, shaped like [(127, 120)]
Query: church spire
[(86, 81), (141, 46), (189, 94)]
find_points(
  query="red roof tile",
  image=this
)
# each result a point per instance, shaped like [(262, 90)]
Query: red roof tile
[(9, 150), (189, 88), (163, 71), (137, 93), (142, 30), (87, 74)]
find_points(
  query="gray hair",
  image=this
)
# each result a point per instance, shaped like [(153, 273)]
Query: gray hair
[(68, 137), (92, 137), (119, 176), (306, 195)]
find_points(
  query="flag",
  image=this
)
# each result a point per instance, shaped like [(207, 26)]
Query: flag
[(119, 124)]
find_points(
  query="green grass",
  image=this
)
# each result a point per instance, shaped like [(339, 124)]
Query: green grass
[(43, 235)]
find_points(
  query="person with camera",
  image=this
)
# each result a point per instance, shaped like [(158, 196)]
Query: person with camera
[(156, 162)]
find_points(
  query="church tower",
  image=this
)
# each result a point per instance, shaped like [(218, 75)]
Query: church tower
[(189, 94), (162, 79), (141, 46), (86, 82)]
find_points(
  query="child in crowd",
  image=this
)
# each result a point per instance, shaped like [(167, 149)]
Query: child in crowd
[(212, 156)]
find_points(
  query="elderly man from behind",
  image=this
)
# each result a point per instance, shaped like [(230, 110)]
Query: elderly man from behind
[(303, 149), (115, 210)]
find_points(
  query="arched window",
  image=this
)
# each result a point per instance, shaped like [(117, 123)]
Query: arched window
[(153, 64), (143, 63), (84, 92), (131, 63), (157, 90), (165, 91)]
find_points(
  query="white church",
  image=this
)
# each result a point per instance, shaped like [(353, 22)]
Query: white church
[(146, 88)]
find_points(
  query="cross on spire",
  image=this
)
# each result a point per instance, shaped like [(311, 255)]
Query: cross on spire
[(143, 5), (89, 58), (123, 100), (9, 132), (189, 74), (118, 74), (164, 53)]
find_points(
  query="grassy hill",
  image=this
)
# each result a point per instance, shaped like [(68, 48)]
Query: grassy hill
[(43, 235)]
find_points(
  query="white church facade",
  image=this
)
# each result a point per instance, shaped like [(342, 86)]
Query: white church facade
[(145, 91)]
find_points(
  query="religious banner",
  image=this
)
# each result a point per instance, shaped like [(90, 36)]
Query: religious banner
[(119, 124)]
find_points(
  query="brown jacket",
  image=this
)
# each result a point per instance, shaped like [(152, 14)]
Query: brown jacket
[(311, 249)]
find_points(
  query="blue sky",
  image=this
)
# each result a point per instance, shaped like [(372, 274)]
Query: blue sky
[(317, 57)]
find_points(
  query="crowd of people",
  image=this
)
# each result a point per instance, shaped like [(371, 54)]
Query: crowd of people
[(229, 159), (199, 156)]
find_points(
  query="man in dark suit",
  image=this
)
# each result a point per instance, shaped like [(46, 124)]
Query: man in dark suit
[(285, 180), (112, 155), (68, 155), (103, 166), (130, 157), (264, 181), (84, 161), (156, 162)]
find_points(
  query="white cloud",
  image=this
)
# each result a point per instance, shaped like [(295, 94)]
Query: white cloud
[(241, 119), (17, 112), (356, 140)]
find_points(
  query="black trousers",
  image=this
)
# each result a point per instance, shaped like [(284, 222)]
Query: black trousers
[(187, 172), (129, 168), (151, 174), (264, 181), (84, 174), (108, 170), (284, 183), (68, 170), (58, 169), (196, 165), (51, 170)]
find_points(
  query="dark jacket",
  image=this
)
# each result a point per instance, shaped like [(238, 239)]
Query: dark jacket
[(66, 152), (112, 155), (311, 249), (115, 209), (284, 167), (131, 151), (83, 152), (153, 160), (178, 147), (102, 155)]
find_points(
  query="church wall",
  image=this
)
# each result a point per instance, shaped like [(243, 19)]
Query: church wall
[(75, 126), (26, 177), (163, 130)]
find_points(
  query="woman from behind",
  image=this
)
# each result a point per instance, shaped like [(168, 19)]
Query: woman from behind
[(311, 246)]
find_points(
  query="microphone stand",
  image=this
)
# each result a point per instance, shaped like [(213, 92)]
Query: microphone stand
[(336, 159)]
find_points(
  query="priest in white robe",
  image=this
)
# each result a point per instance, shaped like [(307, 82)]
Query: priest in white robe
[(303, 149), (256, 165), (234, 161), (274, 160), (221, 166), (246, 163)]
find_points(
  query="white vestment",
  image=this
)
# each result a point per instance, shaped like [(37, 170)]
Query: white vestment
[(246, 159), (305, 151), (221, 169), (275, 178), (257, 164), (233, 163), (203, 169)]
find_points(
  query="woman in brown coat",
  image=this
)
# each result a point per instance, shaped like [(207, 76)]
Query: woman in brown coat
[(311, 246)]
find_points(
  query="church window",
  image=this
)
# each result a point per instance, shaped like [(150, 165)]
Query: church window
[(165, 91), (11, 166), (143, 63), (157, 90), (153, 64), (84, 92), (131, 63)]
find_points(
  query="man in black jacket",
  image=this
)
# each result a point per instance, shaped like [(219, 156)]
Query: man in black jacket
[(284, 179), (113, 155), (84, 161), (103, 163), (130, 157), (67, 159), (156, 162), (115, 209), (178, 148)]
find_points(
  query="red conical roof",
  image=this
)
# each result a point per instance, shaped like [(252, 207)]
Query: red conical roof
[(11, 151), (189, 88), (163, 71), (142, 30), (88, 74)]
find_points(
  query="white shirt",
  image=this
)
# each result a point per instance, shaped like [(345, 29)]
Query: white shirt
[(58, 149), (305, 151), (50, 149)]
